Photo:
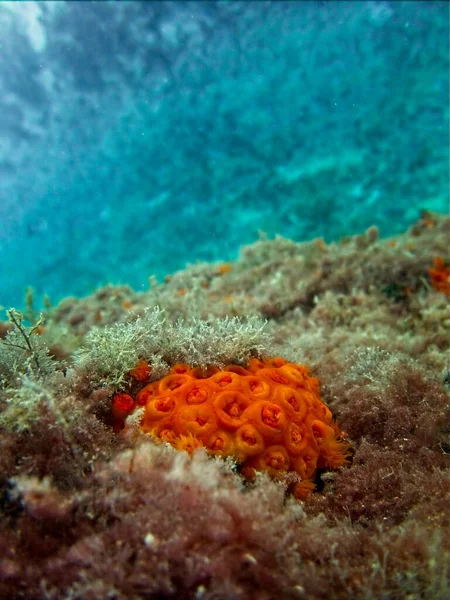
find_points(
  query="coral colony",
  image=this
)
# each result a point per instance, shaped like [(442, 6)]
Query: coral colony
[(268, 417)]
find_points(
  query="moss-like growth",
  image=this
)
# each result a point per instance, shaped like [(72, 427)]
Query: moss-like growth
[(23, 352), (111, 352)]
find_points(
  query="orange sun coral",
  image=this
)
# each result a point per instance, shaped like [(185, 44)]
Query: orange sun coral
[(268, 416), (440, 276)]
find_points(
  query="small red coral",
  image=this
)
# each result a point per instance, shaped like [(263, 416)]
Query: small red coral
[(122, 406), (440, 276), (268, 416), (141, 371)]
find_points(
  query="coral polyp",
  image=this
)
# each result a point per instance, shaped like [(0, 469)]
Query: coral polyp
[(268, 416)]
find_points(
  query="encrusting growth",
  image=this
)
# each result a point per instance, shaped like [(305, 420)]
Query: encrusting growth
[(268, 416)]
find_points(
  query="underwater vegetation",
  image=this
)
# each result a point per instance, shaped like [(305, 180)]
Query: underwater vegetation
[(147, 445)]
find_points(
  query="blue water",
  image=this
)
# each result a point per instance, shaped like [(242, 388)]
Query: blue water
[(136, 137)]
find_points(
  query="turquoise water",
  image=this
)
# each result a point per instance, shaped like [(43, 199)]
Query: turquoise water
[(136, 137)]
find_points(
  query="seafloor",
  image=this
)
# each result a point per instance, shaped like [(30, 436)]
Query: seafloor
[(89, 512)]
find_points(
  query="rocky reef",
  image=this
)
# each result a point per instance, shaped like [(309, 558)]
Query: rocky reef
[(91, 511)]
